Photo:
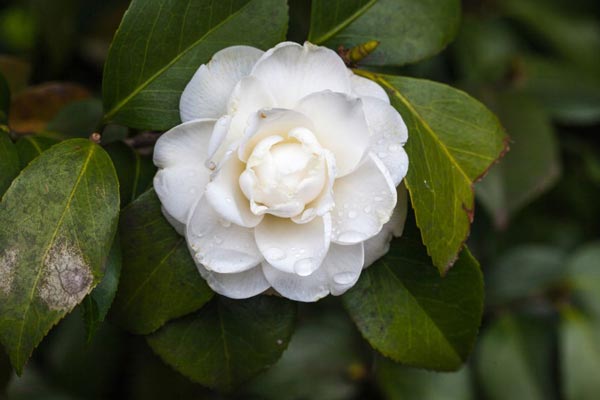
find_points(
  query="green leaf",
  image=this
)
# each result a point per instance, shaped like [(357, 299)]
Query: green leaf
[(579, 355), (328, 335), (410, 314), (584, 278), (404, 383), (5, 372), (524, 271), (570, 95), (159, 279), (452, 141), (228, 341), (29, 147), (78, 119), (161, 43), (10, 165), (514, 359), (329, 17), (57, 222), (531, 167), (574, 36), (408, 30), (135, 171), (98, 302)]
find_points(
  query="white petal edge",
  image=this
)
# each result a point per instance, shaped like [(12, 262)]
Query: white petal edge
[(182, 177), (207, 93), (362, 87), (340, 127), (339, 271), (177, 225), (294, 248), (364, 201), (291, 71), (379, 245), (388, 136), (219, 245), (225, 196), (242, 285)]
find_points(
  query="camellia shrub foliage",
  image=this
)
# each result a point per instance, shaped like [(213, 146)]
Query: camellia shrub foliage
[(178, 177)]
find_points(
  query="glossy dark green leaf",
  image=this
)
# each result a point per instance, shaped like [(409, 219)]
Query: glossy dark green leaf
[(29, 147), (524, 271), (10, 165), (452, 141), (135, 171), (98, 302), (328, 335), (579, 355), (228, 341), (410, 314), (78, 119), (531, 167), (399, 382), (57, 222), (161, 43), (408, 30), (584, 278), (514, 359), (329, 17), (570, 95), (159, 279)]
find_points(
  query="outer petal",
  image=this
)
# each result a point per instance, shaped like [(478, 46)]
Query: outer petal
[(364, 201), (219, 245), (292, 71), (182, 177), (379, 244), (241, 285), (178, 226), (389, 134), (294, 248), (340, 127), (207, 94), (339, 271), (226, 198), (362, 87)]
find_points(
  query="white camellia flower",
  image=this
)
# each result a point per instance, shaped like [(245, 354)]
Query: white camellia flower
[(283, 173)]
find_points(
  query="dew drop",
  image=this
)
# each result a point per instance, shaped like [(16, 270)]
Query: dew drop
[(367, 209), (352, 214), (224, 223), (382, 154), (344, 278), (377, 198), (304, 267), (218, 240), (275, 254), (211, 165), (393, 147)]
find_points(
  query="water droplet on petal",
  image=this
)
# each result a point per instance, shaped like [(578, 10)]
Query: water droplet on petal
[(377, 198), (382, 154), (367, 209), (218, 240), (351, 237), (211, 165), (344, 278), (224, 223), (304, 267), (274, 254), (393, 147), (352, 214)]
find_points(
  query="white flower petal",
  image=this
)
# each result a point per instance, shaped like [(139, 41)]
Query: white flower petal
[(389, 134), (339, 271), (294, 248), (340, 127), (362, 87), (241, 285), (226, 198), (182, 177), (177, 225), (219, 245), (291, 71), (207, 94), (364, 201), (379, 244)]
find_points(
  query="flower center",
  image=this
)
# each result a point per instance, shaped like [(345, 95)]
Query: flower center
[(284, 173)]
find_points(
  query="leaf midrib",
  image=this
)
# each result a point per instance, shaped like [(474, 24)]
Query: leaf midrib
[(339, 27), (113, 111), (45, 254)]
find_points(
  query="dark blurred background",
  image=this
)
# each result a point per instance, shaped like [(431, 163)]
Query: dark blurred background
[(536, 63)]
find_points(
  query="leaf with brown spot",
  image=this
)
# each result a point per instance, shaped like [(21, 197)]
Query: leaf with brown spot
[(57, 222), (33, 108)]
